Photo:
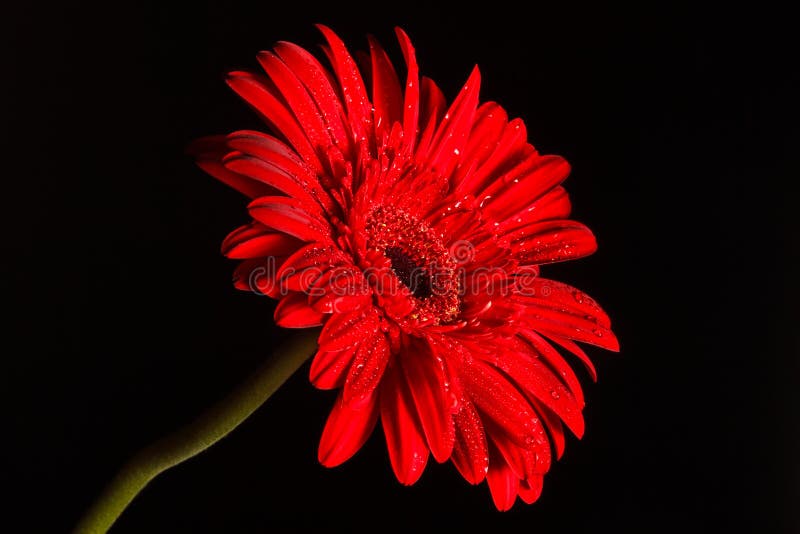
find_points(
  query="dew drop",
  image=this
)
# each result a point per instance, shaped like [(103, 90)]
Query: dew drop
[(578, 296), (597, 332), (555, 394), (455, 404)]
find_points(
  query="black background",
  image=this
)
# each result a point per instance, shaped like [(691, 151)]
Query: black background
[(121, 323)]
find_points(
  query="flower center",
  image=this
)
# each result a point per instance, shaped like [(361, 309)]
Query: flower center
[(420, 261), (412, 275)]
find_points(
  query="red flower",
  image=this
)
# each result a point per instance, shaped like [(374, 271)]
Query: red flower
[(413, 232)]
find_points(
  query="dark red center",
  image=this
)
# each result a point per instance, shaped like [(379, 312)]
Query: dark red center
[(419, 260), (412, 275)]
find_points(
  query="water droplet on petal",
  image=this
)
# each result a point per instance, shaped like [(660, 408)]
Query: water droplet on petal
[(455, 404)]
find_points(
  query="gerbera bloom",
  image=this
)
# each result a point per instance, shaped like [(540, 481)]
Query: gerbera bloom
[(413, 232)]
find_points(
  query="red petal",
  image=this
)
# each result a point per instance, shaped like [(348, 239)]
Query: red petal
[(366, 372), (490, 121), (298, 99), (386, 94), (458, 225), (523, 461), (561, 368), (346, 303), (340, 289), (451, 138), (293, 311), (553, 425), (525, 184), (328, 369), (258, 275), (254, 240), (346, 431), (269, 174), (411, 99), (355, 95), (511, 454), (510, 149), (554, 204), (208, 153), (535, 378), (424, 141), (270, 149), (279, 167), (432, 105), (432, 102), (289, 215), (564, 322), (552, 294), (426, 376), (577, 351), (531, 488), (499, 400), (317, 81), (470, 452), (503, 483), (302, 269), (404, 440), (258, 92), (347, 329), (397, 304), (551, 241)]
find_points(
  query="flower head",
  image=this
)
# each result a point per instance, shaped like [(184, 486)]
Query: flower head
[(413, 232)]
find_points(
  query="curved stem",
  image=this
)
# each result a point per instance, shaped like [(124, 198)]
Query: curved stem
[(212, 426)]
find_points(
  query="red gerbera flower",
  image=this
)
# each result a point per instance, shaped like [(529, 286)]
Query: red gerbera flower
[(413, 232)]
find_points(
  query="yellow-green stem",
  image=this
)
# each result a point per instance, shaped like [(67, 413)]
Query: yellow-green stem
[(194, 438)]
